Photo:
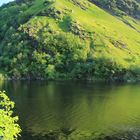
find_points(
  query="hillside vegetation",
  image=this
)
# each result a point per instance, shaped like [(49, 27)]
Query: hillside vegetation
[(120, 7), (68, 39)]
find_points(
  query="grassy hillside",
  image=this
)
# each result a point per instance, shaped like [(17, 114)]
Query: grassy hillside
[(67, 39)]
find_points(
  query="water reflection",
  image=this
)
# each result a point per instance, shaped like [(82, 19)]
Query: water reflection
[(85, 107)]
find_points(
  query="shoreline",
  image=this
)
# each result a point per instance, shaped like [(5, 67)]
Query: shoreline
[(135, 79), (96, 80)]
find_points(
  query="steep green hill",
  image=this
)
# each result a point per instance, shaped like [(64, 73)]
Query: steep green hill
[(67, 39)]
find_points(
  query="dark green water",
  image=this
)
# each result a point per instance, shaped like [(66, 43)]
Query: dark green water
[(82, 111)]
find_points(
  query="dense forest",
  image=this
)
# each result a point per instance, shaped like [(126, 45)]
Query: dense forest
[(70, 39), (120, 7)]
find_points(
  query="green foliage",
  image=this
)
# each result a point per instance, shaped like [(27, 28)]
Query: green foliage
[(1, 76), (57, 54), (68, 39), (120, 7), (9, 129), (109, 70), (50, 72)]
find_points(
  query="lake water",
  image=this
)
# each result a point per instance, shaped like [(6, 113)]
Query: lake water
[(76, 111)]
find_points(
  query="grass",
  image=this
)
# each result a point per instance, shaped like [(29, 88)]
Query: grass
[(106, 29)]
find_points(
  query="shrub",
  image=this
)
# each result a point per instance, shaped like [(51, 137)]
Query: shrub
[(109, 70), (9, 129)]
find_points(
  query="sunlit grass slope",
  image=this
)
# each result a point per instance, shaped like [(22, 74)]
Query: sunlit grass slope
[(112, 37)]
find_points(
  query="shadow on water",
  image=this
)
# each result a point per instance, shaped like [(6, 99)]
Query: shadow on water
[(69, 134)]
